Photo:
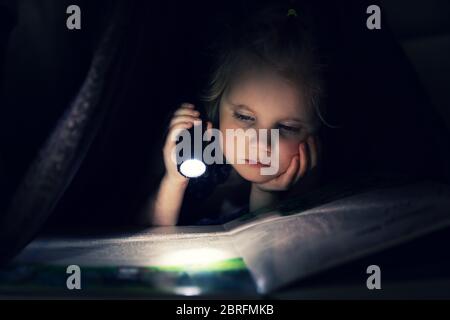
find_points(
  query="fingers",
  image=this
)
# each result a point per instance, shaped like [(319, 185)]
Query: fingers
[(186, 109), (175, 131), (185, 113), (187, 105), (309, 156), (184, 118), (169, 150), (303, 161), (313, 151), (287, 178)]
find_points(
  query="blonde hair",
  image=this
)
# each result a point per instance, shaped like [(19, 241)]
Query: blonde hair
[(274, 40)]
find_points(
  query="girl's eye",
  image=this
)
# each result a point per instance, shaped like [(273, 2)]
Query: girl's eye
[(289, 129), (243, 117)]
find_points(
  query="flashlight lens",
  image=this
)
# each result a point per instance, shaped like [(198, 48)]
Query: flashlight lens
[(192, 168)]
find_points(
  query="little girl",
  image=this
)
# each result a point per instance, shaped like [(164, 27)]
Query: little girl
[(267, 77)]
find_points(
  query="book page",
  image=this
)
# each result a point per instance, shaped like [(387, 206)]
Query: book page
[(292, 247), (149, 247), (165, 260)]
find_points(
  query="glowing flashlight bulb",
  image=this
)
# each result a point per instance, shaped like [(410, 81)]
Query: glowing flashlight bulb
[(192, 168)]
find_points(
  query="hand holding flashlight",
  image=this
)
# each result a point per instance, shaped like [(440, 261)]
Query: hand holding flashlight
[(183, 119), (163, 208)]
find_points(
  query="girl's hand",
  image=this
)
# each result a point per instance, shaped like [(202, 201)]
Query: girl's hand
[(164, 207), (306, 159), (184, 118)]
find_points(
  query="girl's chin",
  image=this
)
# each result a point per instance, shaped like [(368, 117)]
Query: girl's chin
[(252, 174)]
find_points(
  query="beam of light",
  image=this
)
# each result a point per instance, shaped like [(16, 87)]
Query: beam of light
[(192, 257), (188, 291)]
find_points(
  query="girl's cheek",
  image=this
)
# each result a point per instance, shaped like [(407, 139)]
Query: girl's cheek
[(224, 125), (287, 151)]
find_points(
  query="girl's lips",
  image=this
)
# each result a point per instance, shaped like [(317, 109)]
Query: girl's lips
[(257, 164)]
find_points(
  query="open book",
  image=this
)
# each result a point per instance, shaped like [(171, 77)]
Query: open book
[(255, 254)]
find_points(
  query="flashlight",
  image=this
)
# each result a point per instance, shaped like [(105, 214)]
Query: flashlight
[(191, 164)]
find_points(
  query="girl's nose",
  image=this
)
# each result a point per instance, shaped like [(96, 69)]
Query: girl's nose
[(261, 142)]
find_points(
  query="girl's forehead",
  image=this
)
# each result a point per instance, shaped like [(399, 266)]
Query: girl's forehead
[(270, 95)]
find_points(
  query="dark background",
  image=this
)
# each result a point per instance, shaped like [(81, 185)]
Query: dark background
[(387, 90)]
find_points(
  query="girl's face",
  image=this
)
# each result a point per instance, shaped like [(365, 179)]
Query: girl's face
[(264, 101)]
